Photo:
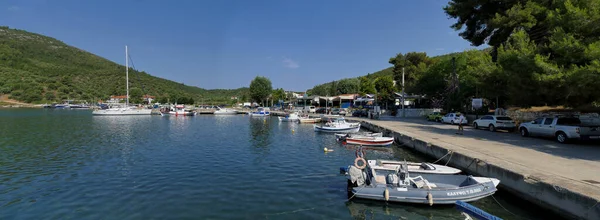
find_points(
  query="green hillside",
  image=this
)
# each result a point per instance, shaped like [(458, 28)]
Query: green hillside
[(35, 68), (325, 88)]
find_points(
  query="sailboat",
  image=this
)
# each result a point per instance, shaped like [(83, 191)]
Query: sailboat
[(126, 110)]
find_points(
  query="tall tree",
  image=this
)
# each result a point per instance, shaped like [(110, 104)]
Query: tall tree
[(260, 89), (385, 88), (366, 86), (348, 86), (414, 64), (135, 95)]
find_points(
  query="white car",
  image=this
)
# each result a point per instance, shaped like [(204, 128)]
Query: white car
[(453, 118), (493, 122)]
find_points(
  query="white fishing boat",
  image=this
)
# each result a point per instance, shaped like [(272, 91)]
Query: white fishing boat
[(338, 125), (343, 136), (370, 141), (260, 112), (179, 110), (292, 117), (308, 120), (225, 111), (124, 110)]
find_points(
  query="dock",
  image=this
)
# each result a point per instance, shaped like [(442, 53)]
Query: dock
[(563, 178)]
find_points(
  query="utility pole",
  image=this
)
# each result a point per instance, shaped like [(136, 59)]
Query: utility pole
[(403, 95)]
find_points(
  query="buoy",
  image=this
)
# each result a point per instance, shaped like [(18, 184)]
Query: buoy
[(292, 131), (364, 163), (430, 198), (386, 194), (327, 150)]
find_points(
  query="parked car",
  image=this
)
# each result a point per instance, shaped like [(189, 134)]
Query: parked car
[(343, 111), (561, 128), (321, 111), (452, 118), (310, 109), (436, 116), (360, 113), (335, 111), (493, 123)]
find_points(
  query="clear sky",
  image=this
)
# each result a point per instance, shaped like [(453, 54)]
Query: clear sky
[(225, 44)]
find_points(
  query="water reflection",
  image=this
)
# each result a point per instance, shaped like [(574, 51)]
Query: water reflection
[(260, 132), (365, 209)]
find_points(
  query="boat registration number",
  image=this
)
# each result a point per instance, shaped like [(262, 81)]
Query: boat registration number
[(464, 192)]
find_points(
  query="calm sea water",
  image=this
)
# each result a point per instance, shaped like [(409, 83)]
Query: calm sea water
[(68, 164)]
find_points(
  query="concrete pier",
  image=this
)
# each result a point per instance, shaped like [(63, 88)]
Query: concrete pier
[(561, 178)]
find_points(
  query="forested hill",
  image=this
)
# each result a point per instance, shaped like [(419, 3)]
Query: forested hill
[(35, 68)]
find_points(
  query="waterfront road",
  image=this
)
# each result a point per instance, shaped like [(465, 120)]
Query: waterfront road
[(579, 162)]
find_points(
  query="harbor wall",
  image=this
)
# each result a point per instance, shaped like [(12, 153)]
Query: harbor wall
[(531, 187)]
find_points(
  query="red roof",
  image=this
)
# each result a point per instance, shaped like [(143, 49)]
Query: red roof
[(118, 96), (149, 96)]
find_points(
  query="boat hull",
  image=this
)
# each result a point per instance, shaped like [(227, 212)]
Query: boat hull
[(449, 189), (370, 141), (284, 119), (182, 113), (310, 120), (337, 129)]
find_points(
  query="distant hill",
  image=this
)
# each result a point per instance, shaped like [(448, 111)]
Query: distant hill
[(36, 68)]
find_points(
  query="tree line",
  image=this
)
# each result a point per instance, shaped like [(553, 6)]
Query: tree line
[(541, 53)]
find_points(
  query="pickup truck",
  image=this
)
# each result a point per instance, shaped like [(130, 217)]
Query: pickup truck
[(562, 129)]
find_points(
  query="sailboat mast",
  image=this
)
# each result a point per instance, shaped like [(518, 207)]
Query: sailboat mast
[(127, 76)]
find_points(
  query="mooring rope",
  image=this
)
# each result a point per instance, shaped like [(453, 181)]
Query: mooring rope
[(449, 152), (450, 158)]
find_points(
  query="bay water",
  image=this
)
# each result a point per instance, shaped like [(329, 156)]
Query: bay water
[(68, 164)]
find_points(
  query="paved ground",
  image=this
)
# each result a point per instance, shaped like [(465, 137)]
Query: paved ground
[(577, 161)]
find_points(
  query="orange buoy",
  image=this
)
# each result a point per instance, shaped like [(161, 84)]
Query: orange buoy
[(364, 163)]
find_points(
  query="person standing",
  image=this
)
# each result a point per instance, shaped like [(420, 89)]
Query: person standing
[(461, 120)]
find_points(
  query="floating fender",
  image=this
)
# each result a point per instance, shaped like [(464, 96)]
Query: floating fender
[(430, 198), (364, 163), (386, 194)]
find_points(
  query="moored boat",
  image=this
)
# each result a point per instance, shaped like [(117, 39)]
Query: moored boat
[(308, 120), (339, 125), (370, 141), (291, 117), (179, 110), (399, 186), (126, 110), (343, 136), (225, 111), (260, 112)]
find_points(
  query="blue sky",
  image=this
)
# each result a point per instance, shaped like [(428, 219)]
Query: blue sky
[(225, 44)]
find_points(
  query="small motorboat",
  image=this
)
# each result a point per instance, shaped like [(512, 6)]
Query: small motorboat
[(308, 120), (365, 182), (225, 111), (370, 141), (342, 137), (413, 167), (292, 117), (339, 125), (260, 112)]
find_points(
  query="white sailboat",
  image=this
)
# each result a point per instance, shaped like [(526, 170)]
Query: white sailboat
[(126, 110)]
